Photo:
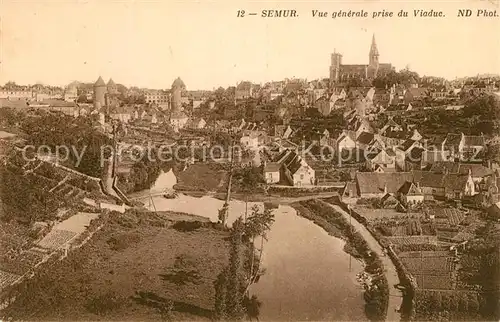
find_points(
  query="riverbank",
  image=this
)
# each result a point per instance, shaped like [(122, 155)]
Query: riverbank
[(395, 296), (139, 266), (272, 198), (336, 224)]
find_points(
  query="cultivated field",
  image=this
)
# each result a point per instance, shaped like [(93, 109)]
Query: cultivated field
[(372, 214)]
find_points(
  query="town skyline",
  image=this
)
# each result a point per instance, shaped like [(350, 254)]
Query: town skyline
[(207, 53)]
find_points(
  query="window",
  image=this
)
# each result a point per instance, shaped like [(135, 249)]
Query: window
[(301, 177)]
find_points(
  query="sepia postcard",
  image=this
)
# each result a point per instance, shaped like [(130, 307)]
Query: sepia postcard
[(249, 160)]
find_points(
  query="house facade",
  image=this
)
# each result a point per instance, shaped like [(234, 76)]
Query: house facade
[(411, 187), (385, 159), (294, 170), (346, 141), (272, 172), (244, 90)]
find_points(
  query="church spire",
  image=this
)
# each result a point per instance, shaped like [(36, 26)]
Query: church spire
[(373, 48)]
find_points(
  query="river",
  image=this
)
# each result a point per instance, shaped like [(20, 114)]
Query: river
[(307, 275)]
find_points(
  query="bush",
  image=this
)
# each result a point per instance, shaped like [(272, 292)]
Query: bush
[(187, 226), (123, 241), (105, 303)]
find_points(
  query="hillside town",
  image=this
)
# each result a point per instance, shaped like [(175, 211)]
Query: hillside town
[(413, 160)]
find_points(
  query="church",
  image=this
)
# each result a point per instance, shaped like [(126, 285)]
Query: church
[(342, 73)]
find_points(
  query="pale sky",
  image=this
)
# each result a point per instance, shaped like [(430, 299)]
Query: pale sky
[(149, 43)]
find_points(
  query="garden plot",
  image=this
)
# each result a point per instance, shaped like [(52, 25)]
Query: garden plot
[(434, 282), (56, 239), (7, 279), (429, 265), (67, 230)]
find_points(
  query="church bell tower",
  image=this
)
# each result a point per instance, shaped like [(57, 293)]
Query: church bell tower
[(373, 59)]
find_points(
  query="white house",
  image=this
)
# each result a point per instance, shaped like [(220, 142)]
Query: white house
[(288, 132), (346, 141), (302, 174), (410, 193), (385, 159), (272, 172), (178, 120), (295, 170), (250, 141), (363, 126), (197, 123), (122, 114), (197, 102)]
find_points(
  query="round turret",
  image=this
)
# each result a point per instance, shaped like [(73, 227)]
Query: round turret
[(112, 88), (100, 92), (177, 87), (178, 83)]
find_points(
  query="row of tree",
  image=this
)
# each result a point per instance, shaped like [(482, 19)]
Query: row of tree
[(403, 77), (232, 299)]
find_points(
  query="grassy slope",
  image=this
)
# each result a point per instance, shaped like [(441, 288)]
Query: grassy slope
[(123, 259), (203, 177)]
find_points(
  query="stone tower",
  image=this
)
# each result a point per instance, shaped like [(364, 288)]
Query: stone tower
[(112, 88), (373, 59), (177, 88), (99, 93), (335, 67)]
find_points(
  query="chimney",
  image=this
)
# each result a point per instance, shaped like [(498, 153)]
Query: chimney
[(385, 189)]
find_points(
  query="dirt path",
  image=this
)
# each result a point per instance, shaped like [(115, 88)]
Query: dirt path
[(395, 295)]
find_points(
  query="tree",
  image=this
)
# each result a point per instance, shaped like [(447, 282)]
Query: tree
[(354, 82), (145, 172), (82, 98), (219, 94), (221, 285), (258, 224), (235, 296), (11, 85), (229, 295), (10, 116), (76, 134), (473, 302), (486, 107), (386, 80), (248, 179), (252, 306), (493, 153), (313, 113), (25, 198)]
